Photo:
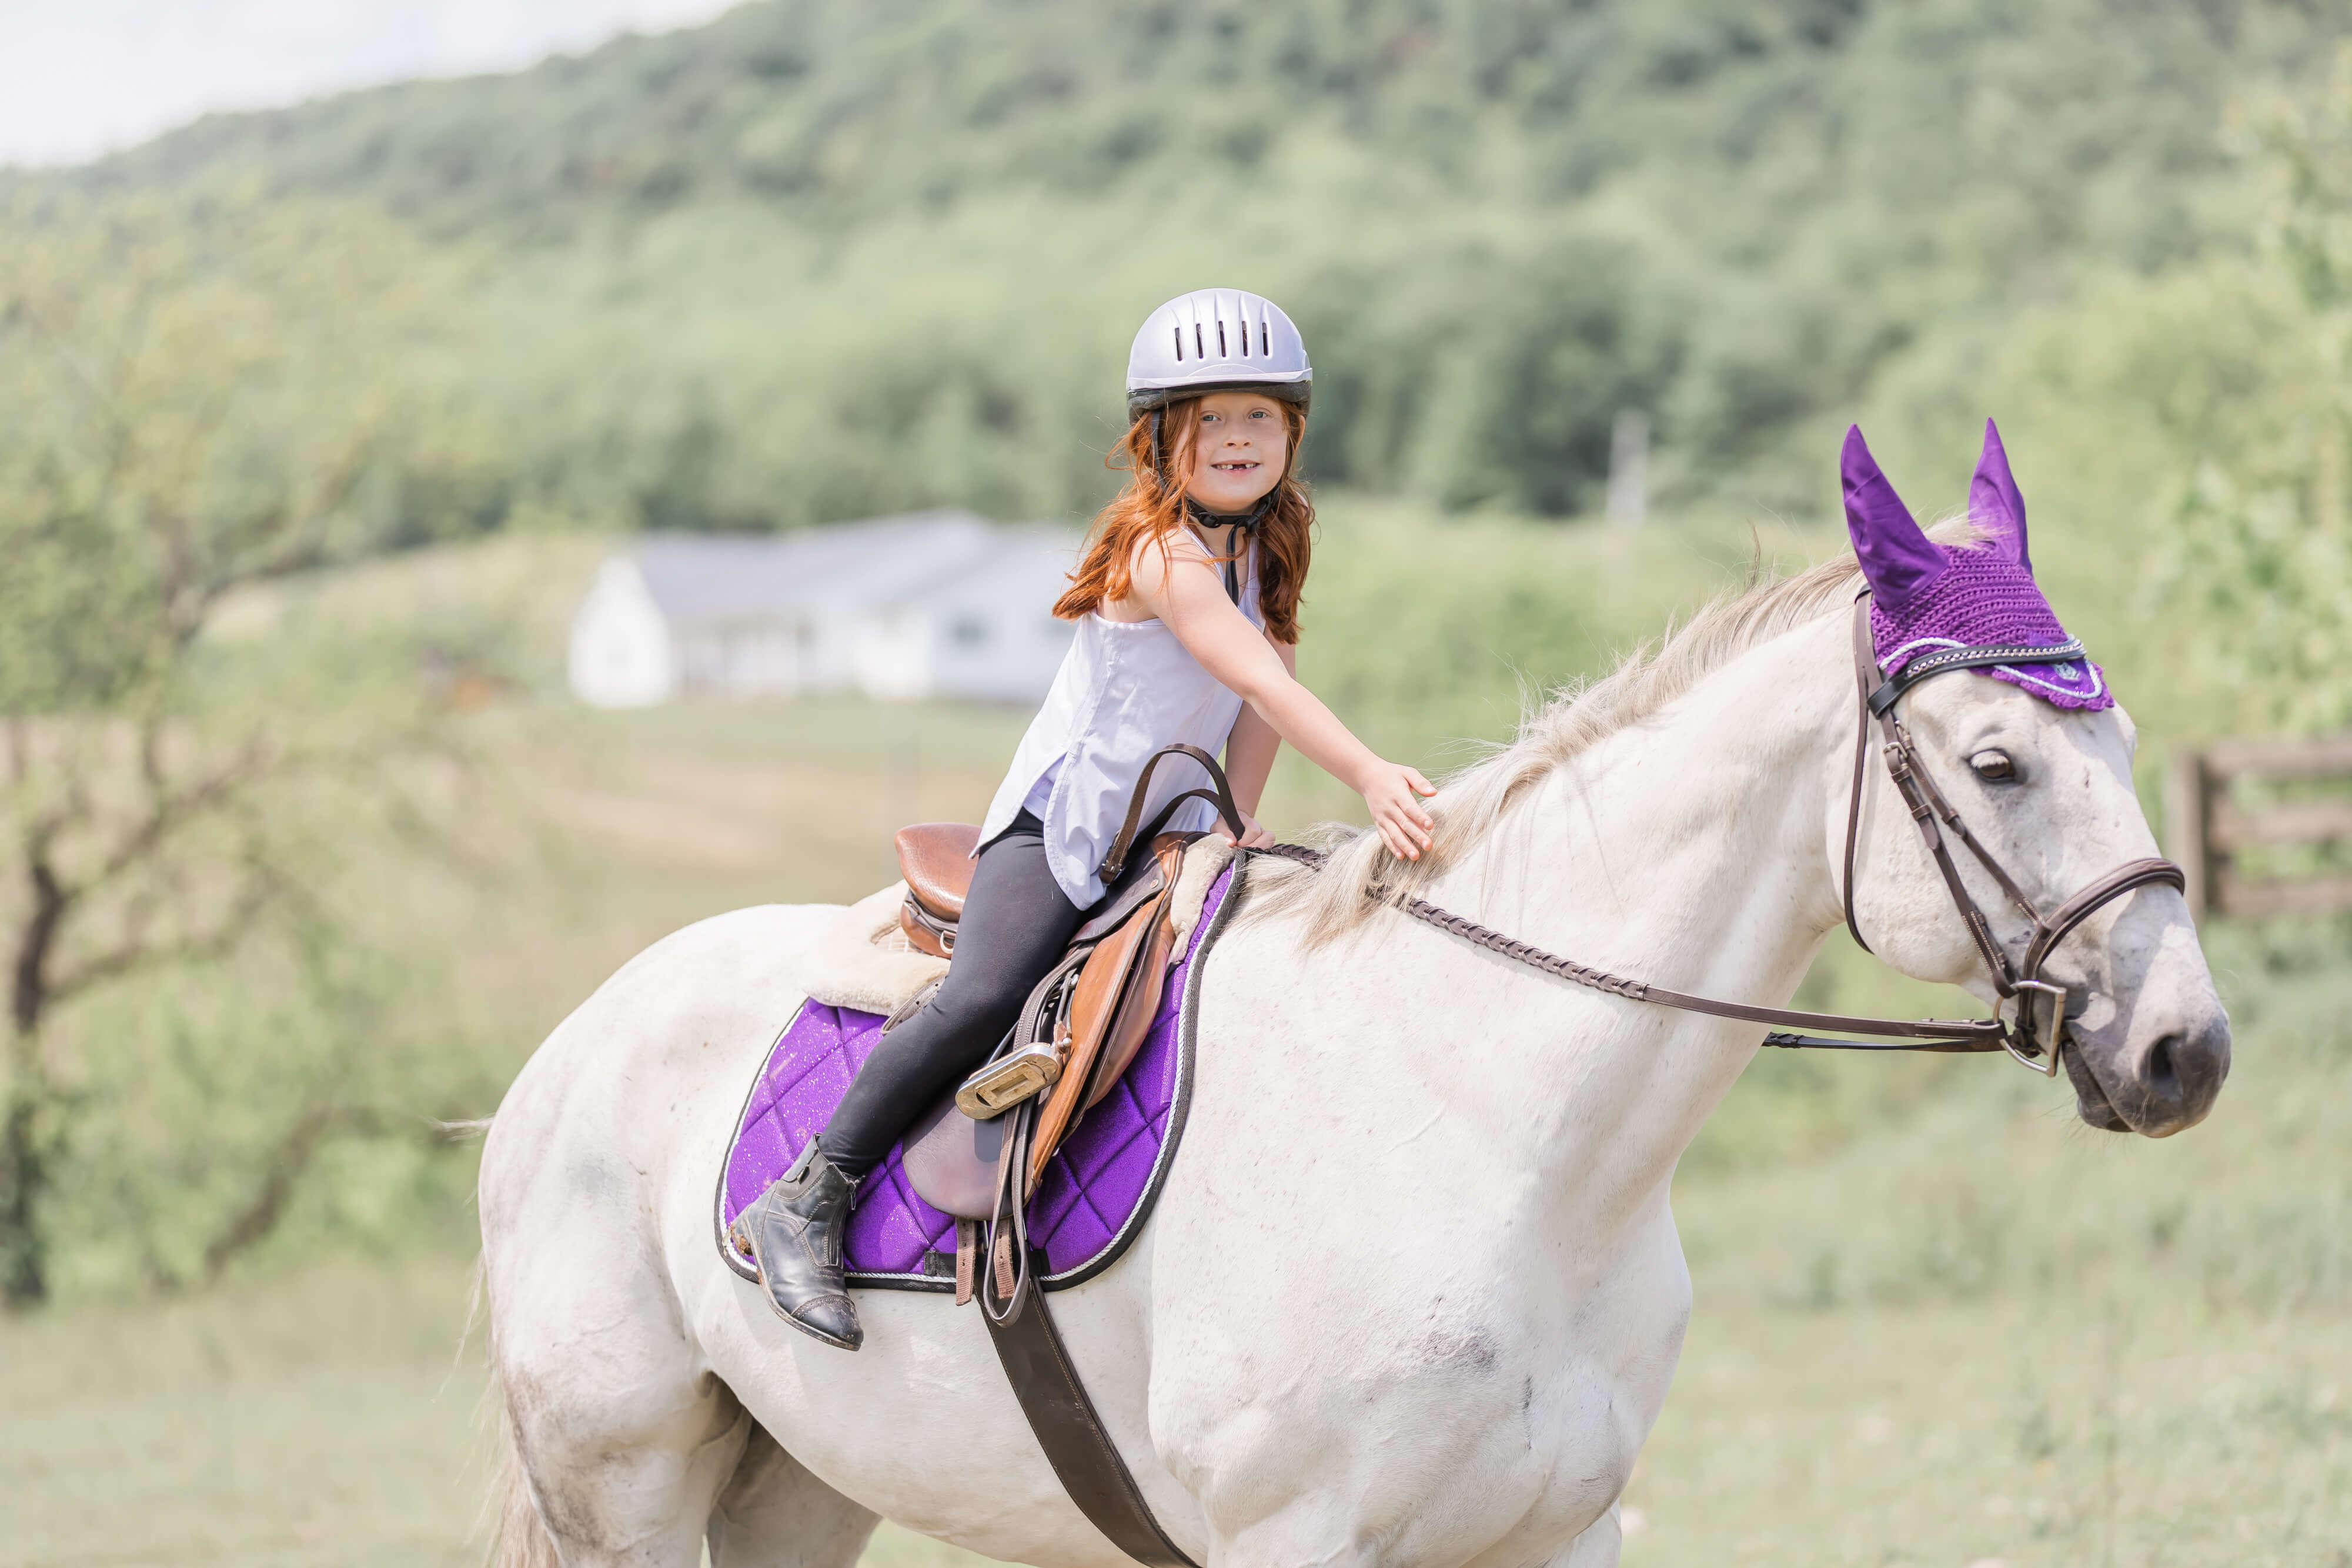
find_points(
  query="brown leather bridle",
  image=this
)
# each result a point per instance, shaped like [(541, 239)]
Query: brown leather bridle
[(2028, 1038)]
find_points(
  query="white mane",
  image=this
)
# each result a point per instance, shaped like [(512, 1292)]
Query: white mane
[(1474, 798)]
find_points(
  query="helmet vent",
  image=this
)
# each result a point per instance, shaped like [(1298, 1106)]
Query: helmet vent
[(1214, 339)]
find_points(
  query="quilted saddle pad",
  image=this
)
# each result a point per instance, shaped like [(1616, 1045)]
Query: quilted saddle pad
[(1096, 1192)]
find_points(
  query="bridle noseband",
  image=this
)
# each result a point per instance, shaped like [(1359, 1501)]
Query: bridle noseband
[(2028, 1038)]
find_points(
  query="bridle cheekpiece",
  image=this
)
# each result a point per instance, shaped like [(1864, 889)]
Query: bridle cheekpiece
[(2028, 1036)]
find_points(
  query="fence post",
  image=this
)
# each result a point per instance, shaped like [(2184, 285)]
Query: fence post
[(2188, 822)]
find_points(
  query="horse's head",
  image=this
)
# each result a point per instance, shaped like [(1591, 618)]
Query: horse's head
[(2036, 762)]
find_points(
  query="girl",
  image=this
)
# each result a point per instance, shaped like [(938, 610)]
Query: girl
[(1187, 604)]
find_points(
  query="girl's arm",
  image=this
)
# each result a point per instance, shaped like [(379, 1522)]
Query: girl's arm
[(1249, 757), (1185, 590)]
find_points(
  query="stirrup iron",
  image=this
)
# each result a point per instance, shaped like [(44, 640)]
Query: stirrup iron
[(1017, 1075)]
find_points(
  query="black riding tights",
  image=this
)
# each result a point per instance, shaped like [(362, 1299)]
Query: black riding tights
[(1016, 923)]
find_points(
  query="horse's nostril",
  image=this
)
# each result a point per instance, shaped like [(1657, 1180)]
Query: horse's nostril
[(2163, 1080)]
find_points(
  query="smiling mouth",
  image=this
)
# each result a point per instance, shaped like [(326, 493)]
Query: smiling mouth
[(1232, 467)]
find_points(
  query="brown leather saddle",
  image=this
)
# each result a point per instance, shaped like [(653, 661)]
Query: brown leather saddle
[(1092, 1011)]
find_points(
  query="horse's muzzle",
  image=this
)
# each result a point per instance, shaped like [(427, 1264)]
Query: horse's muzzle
[(2152, 1081)]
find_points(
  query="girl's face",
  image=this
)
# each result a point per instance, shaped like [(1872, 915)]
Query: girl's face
[(1239, 451)]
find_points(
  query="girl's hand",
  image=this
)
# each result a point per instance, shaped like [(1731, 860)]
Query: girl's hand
[(1393, 793), (1254, 837)]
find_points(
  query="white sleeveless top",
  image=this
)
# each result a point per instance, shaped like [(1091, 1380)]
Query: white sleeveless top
[(1125, 689)]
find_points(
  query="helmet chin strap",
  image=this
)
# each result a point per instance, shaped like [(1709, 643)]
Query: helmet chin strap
[(1248, 522)]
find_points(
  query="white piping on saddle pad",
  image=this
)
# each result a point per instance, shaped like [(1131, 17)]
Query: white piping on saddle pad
[(860, 958)]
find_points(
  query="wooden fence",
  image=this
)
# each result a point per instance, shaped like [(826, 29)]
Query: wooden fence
[(2211, 822)]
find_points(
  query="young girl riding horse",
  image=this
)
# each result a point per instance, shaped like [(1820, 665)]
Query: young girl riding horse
[(1186, 601)]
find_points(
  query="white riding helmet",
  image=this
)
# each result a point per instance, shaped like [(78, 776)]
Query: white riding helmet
[(1216, 340)]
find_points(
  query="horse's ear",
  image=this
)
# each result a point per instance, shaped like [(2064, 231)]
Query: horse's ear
[(1898, 561), (1994, 504)]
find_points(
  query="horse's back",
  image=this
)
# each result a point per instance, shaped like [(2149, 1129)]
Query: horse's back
[(703, 992), (592, 1147)]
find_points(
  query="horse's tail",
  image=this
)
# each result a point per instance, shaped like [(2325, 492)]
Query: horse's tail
[(518, 1538)]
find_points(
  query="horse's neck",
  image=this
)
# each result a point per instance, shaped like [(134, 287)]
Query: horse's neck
[(1688, 850)]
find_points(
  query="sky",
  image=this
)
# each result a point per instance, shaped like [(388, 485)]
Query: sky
[(81, 78)]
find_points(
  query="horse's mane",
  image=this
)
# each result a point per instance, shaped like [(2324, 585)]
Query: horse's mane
[(1474, 798)]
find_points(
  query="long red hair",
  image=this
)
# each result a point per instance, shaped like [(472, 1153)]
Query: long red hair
[(1151, 507)]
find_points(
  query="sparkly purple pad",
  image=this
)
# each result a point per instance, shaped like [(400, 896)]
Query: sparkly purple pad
[(1096, 1191), (1926, 597)]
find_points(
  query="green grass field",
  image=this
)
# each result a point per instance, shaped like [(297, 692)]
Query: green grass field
[(1938, 1323), (326, 1414)]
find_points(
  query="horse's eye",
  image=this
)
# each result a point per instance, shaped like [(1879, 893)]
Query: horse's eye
[(1994, 767)]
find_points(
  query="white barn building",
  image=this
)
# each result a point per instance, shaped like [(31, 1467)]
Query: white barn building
[(934, 604)]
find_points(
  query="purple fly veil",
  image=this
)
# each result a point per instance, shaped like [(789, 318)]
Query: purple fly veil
[(1994, 505), (1898, 561), (1926, 597)]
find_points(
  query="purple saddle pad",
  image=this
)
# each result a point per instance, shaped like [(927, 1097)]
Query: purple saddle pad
[(1098, 1191)]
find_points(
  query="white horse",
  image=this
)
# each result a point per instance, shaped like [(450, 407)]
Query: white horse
[(1413, 1293)]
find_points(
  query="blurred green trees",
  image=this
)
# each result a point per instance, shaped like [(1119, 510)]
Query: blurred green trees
[(189, 402), (823, 259), (2185, 442), (2260, 549)]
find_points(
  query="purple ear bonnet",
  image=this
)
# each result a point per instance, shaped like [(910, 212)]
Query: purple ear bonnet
[(1926, 597)]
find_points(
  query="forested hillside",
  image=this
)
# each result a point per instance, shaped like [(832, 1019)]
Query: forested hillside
[(825, 257)]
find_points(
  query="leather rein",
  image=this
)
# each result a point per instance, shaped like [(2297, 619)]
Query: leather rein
[(2028, 1038)]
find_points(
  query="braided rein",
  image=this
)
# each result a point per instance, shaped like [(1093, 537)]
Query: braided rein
[(1914, 1034)]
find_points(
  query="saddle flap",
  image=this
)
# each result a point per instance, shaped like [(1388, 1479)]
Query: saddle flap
[(1137, 1009), (1105, 1019), (935, 860), (952, 1160)]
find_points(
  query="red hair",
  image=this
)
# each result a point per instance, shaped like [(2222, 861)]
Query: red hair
[(1151, 507)]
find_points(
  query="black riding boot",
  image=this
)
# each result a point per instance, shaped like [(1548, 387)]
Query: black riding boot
[(794, 1232)]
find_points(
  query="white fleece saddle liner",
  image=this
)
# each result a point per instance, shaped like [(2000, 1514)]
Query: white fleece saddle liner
[(861, 960)]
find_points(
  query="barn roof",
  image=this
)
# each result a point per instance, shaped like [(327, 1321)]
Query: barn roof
[(845, 567)]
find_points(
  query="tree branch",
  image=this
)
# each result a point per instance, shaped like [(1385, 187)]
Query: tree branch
[(296, 1151), (170, 810), (134, 952)]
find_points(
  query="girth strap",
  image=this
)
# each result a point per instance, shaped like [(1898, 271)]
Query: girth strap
[(1070, 1430)]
